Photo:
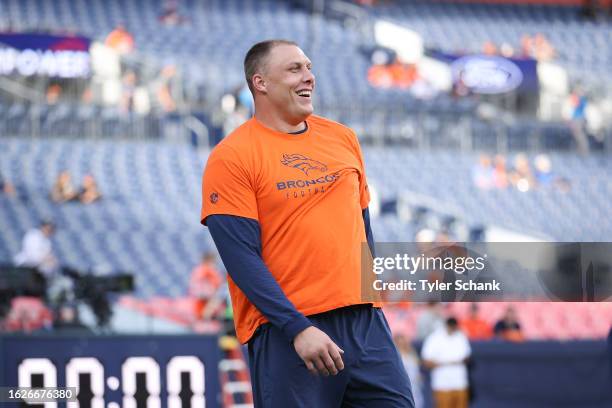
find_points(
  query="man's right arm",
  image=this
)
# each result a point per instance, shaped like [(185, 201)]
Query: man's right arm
[(239, 244)]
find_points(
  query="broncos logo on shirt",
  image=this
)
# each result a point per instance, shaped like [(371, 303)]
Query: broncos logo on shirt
[(301, 162)]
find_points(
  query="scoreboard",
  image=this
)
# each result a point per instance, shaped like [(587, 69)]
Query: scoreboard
[(116, 371)]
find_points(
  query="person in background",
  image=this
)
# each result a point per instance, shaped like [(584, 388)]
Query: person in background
[(89, 191), (429, 320), (475, 327), (120, 40), (204, 283), (482, 173), (63, 190), (410, 358), (508, 327), (445, 352), (521, 176), (543, 173), (67, 320), (500, 172), (37, 249), (6, 187)]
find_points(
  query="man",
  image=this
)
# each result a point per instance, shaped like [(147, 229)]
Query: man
[(508, 327), (6, 187), (37, 250), (445, 352), (204, 284), (474, 326), (285, 198)]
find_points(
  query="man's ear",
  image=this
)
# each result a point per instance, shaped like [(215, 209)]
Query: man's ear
[(259, 83)]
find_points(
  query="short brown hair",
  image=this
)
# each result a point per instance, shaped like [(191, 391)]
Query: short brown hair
[(254, 59)]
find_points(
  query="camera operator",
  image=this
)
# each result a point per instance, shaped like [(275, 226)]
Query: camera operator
[(37, 252)]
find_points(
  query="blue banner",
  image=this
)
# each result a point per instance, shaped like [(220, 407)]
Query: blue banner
[(159, 371), (35, 41), (55, 56), (492, 74)]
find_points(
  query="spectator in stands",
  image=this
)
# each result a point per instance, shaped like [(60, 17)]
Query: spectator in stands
[(445, 352), (544, 175), (6, 187), (120, 40), (544, 50), (89, 191), (482, 173), (411, 362), (162, 87), (170, 15), (128, 82), (537, 47), (37, 249), (54, 91), (521, 176), (574, 110), (63, 190), (500, 173), (205, 282), (475, 327), (429, 320), (489, 48), (526, 46), (508, 327)]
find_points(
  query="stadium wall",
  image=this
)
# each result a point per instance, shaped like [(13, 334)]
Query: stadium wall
[(538, 374)]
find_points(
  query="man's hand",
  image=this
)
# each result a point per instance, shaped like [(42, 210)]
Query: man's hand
[(319, 352)]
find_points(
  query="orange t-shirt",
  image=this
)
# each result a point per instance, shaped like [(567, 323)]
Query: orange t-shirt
[(477, 329), (307, 192), (204, 281)]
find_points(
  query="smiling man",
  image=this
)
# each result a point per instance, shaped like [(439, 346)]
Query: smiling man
[(285, 198)]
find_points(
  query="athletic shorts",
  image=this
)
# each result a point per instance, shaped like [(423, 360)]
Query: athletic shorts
[(373, 375)]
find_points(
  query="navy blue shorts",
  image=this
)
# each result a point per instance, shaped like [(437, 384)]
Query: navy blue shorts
[(373, 374)]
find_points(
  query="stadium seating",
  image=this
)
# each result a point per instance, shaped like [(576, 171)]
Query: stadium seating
[(146, 223), (209, 48), (580, 44), (580, 214)]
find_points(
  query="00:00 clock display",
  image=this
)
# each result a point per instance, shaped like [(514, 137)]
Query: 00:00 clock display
[(132, 367)]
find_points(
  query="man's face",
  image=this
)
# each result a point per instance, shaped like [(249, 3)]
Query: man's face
[(289, 82), (48, 230)]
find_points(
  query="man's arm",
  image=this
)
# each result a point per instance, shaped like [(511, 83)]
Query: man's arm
[(368, 230), (239, 244)]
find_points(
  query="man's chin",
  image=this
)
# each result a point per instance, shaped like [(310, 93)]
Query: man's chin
[(307, 111), (302, 115)]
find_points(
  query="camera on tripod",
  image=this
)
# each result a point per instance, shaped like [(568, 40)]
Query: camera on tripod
[(94, 290)]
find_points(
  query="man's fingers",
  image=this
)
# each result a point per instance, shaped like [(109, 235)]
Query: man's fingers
[(320, 366), (336, 356), (329, 363), (311, 367)]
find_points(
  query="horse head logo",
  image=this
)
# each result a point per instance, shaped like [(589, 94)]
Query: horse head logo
[(301, 162)]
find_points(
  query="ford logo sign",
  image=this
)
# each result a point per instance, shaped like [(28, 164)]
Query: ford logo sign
[(487, 74)]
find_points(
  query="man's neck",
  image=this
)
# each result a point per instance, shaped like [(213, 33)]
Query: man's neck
[(279, 124)]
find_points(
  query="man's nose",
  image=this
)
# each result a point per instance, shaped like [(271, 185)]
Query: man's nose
[(309, 77)]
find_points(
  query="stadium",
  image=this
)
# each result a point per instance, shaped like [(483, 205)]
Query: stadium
[(485, 127)]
